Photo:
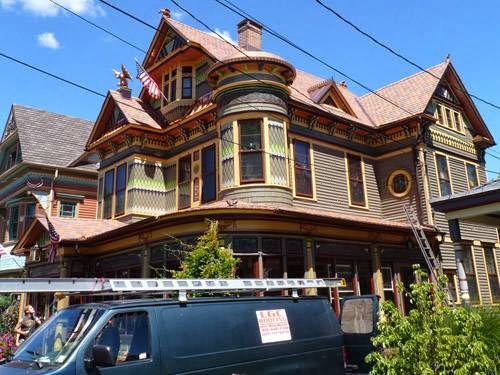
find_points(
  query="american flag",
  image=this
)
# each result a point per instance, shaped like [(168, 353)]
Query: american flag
[(148, 82), (54, 239)]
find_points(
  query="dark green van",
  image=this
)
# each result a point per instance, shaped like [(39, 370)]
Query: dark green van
[(234, 336)]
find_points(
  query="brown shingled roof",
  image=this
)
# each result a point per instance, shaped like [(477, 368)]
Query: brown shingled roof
[(70, 229), (136, 111), (219, 48), (412, 93)]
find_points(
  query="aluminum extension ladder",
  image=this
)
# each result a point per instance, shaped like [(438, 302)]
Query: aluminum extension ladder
[(160, 286), (431, 260)]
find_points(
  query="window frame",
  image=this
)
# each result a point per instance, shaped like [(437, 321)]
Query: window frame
[(490, 249), (468, 250), (447, 117), (124, 190), (438, 177), (260, 151), (469, 186), (187, 77), (390, 182), (304, 169), (13, 234), (348, 157), (169, 86), (184, 182), (64, 203), (108, 195), (204, 176)]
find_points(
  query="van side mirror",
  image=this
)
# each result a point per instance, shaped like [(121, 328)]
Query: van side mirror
[(102, 356)]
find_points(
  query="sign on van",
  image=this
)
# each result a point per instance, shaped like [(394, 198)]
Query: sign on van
[(273, 325)]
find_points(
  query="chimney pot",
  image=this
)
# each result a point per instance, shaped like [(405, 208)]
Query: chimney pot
[(250, 35)]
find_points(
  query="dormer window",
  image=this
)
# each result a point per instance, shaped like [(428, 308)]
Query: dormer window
[(448, 117)]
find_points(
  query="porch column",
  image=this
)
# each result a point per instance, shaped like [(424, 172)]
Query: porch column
[(463, 286), (146, 260), (310, 272), (378, 281), (62, 299)]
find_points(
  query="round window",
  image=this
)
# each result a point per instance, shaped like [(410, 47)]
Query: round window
[(399, 183)]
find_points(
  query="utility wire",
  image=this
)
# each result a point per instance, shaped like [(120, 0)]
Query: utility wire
[(128, 14), (54, 76), (323, 62), (98, 27), (40, 70), (102, 95), (398, 54)]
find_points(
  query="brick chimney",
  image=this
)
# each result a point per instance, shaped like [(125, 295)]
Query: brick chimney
[(250, 35)]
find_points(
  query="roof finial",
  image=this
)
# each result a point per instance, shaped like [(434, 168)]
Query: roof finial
[(448, 58), (165, 12)]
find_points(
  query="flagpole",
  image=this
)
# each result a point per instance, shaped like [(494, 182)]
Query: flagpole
[(161, 91)]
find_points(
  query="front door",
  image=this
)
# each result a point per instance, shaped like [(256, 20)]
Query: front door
[(358, 321)]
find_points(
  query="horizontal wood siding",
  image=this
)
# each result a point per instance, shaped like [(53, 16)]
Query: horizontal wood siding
[(481, 275), (88, 208), (481, 171), (331, 185), (392, 207), (448, 260), (469, 231), (473, 231)]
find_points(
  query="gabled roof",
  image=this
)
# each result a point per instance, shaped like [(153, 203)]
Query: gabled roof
[(40, 134), (412, 93), (134, 110)]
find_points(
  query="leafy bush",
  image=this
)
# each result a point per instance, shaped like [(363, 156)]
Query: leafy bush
[(207, 258), (490, 332), (432, 339)]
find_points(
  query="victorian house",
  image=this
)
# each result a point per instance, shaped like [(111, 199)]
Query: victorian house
[(36, 149), (306, 178)]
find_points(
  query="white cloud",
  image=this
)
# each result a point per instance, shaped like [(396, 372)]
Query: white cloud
[(46, 8), (226, 35), (177, 15), (7, 4), (48, 40)]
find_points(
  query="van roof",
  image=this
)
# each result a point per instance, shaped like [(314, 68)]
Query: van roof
[(146, 302)]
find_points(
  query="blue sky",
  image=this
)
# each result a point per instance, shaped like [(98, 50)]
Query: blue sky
[(38, 32)]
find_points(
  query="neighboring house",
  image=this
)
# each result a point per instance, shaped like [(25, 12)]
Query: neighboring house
[(305, 177), (477, 206), (36, 149)]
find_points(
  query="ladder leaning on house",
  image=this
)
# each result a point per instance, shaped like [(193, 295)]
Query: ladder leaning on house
[(431, 260)]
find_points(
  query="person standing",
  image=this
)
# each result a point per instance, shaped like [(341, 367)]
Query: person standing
[(28, 324)]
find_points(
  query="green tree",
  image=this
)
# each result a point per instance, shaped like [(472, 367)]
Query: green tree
[(207, 258), (432, 339)]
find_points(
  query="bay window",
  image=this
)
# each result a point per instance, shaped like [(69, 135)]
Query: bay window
[(251, 151), (184, 182), (120, 187), (208, 174), (302, 169), (109, 178)]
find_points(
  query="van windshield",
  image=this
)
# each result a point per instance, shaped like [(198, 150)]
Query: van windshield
[(54, 341)]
